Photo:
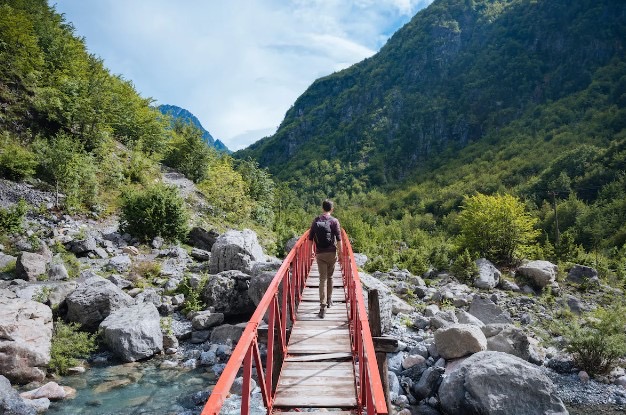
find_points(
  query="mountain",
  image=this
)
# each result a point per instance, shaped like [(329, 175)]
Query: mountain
[(186, 116), (459, 73)]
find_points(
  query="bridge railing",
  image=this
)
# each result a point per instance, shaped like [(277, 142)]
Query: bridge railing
[(371, 397), (288, 283)]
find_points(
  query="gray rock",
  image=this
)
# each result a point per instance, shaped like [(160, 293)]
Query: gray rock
[(488, 275), (459, 340), (25, 339), (208, 358), (290, 244), (29, 266), (493, 383), (83, 246), (101, 253), (6, 261), (394, 383), (201, 238), (11, 403), (443, 319), (200, 254), (580, 273), (360, 259), (258, 286), (394, 362), (431, 310), (93, 300), (507, 285), (133, 333), (421, 322), (487, 311), (235, 250), (541, 273), (119, 281), (50, 390), (400, 306), (119, 263), (237, 386), (157, 242), (41, 405), (429, 383), (507, 338), (385, 299), (170, 341), (466, 318), (227, 333), (206, 319), (57, 272), (420, 349), (227, 292)]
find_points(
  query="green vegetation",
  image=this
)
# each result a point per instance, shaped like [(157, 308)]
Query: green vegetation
[(68, 344), (157, 210), (599, 341), (193, 296), (11, 219)]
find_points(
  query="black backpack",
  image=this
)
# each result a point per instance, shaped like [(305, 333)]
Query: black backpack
[(323, 234)]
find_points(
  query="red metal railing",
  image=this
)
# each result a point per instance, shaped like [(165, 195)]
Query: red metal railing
[(371, 397), (290, 278)]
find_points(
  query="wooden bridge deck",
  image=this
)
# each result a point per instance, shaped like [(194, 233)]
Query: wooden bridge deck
[(318, 370)]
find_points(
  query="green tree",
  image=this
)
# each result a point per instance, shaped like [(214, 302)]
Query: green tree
[(227, 191), (188, 153), (496, 227)]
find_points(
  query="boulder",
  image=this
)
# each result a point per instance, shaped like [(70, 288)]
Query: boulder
[(580, 273), (428, 383), (258, 286), (235, 250), (227, 333), (200, 254), (458, 340), (385, 300), (58, 272), (6, 262), (488, 275), (11, 403), (83, 246), (29, 266), (290, 244), (119, 263), (494, 383), (507, 338), (487, 311), (93, 300), (50, 390), (206, 319), (227, 292), (25, 339), (541, 273), (360, 260), (443, 318), (466, 318), (398, 305), (201, 238), (134, 333)]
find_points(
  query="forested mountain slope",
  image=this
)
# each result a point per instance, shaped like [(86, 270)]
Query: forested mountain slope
[(458, 72), (184, 115)]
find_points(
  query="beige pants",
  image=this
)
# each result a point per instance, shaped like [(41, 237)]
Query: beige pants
[(326, 264)]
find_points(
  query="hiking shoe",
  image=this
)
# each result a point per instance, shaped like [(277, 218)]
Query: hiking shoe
[(322, 312), (330, 304)]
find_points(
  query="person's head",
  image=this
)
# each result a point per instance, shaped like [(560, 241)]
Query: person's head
[(327, 205)]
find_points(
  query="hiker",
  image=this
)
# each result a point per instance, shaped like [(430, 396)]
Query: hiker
[(326, 234)]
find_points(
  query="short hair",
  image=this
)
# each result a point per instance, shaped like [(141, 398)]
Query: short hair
[(327, 205)]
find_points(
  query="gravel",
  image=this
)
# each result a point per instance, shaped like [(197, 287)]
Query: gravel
[(572, 391), (11, 193)]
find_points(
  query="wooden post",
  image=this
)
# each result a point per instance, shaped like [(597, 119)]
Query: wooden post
[(373, 307)]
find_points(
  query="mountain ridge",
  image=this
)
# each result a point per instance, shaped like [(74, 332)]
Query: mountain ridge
[(186, 116)]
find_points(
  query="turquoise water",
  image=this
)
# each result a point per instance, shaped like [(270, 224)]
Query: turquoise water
[(135, 388)]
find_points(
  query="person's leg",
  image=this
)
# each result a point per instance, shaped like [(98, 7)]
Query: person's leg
[(322, 266), (329, 279)]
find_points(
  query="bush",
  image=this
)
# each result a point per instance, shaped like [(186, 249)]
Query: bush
[(11, 219), (496, 227), (464, 267), (68, 344), (16, 162), (193, 298), (597, 344), (155, 211)]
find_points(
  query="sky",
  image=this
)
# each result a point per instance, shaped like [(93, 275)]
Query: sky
[(237, 65)]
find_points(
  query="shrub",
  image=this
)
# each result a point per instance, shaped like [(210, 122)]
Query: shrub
[(464, 267), (68, 344), (597, 344), (193, 298), (496, 227), (155, 211), (11, 219), (16, 162)]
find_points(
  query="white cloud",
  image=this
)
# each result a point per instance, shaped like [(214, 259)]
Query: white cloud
[(237, 65)]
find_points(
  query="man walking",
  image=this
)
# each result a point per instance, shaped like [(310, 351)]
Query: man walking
[(327, 236)]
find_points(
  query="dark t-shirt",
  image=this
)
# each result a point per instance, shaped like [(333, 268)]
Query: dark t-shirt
[(334, 229)]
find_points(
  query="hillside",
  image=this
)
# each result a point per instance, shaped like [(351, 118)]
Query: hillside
[(458, 72), (186, 116)]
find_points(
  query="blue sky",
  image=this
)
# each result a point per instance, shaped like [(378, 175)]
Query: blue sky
[(237, 65)]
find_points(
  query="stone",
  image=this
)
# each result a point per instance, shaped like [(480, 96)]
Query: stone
[(119, 263), (621, 381), (420, 349), (200, 336), (466, 318), (360, 259), (57, 272), (488, 275), (428, 383), (201, 238), (443, 318), (168, 364), (421, 322), (394, 361), (130, 250), (235, 250), (7, 262), (509, 339), (258, 286), (208, 358), (206, 319), (119, 281), (394, 383), (487, 311), (459, 340), (412, 360), (385, 300), (157, 242), (133, 333), (25, 339), (50, 390), (101, 253), (507, 285), (400, 306), (493, 383), (583, 376), (40, 405), (93, 300), (227, 292), (170, 341), (580, 273), (11, 403), (200, 254), (83, 246), (541, 273), (227, 333), (29, 266), (237, 386)]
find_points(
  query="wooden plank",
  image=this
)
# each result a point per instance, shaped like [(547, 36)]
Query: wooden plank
[(319, 357), (385, 344), (316, 413), (315, 380), (308, 401), (376, 330)]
